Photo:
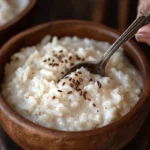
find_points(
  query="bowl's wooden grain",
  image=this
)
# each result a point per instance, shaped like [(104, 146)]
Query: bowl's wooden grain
[(113, 136), (16, 24)]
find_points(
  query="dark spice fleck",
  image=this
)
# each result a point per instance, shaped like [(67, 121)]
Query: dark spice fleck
[(16, 59), (94, 105), (56, 64), (81, 93), (72, 64), (62, 62), (63, 83), (66, 61), (73, 80), (60, 51), (45, 60), (78, 89), (69, 92), (90, 80), (80, 79), (50, 64), (83, 59), (70, 79), (59, 90), (49, 59), (59, 57), (78, 58), (53, 60), (97, 110), (89, 99), (58, 81), (99, 84), (53, 97), (79, 72), (70, 57), (71, 85), (76, 74), (77, 82), (85, 92), (84, 96), (62, 72)]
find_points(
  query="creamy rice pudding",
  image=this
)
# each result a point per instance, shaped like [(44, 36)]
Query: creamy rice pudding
[(81, 100)]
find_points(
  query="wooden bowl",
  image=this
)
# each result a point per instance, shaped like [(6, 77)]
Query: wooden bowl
[(111, 137), (16, 24)]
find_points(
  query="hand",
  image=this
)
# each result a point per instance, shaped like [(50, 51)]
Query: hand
[(143, 34)]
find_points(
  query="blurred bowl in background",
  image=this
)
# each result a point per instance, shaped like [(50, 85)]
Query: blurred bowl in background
[(18, 23)]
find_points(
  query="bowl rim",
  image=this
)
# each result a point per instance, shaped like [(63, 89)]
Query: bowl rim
[(76, 134), (18, 17)]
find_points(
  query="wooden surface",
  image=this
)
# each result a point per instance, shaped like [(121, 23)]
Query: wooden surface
[(48, 10)]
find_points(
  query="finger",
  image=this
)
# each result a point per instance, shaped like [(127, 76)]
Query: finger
[(139, 7), (143, 34), (143, 7)]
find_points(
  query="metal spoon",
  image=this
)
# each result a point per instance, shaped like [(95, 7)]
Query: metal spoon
[(99, 67)]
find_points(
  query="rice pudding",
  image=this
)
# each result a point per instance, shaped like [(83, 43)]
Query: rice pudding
[(81, 100), (9, 9)]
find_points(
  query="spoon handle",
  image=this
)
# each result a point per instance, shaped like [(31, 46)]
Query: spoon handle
[(129, 33)]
